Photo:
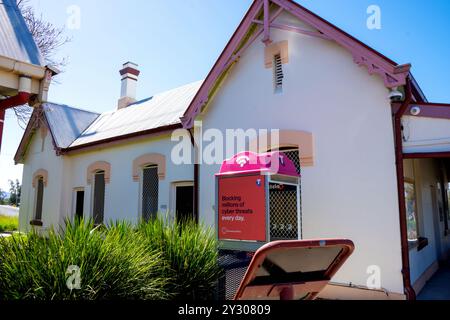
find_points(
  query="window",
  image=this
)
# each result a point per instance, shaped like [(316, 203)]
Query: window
[(150, 185), (293, 155), (79, 203), (99, 197), (283, 203), (39, 199), (277, 73), (184, 201), (411, 211)]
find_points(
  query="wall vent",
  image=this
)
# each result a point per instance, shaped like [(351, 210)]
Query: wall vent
[(277, 73)]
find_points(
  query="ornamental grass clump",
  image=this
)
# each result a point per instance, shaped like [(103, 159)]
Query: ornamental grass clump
[(81, 263), (190, 254)]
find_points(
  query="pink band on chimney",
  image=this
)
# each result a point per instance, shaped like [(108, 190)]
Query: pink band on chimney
[(129, 70)]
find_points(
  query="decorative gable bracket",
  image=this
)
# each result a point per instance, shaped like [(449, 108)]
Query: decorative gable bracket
[(259, 20)]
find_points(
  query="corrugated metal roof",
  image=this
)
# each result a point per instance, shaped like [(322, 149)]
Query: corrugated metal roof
[(16, 41), (67, 123), (161, 110)]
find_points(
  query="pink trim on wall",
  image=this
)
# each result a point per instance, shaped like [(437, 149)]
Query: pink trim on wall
[(430, 110), (393, 75), (150, 159), (202, 95), (302, 140), (266, 23), (38, 174), (99, 166), (281, 48)]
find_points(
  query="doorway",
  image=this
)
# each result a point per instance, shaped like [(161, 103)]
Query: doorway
[(184, 202), (79, 204)]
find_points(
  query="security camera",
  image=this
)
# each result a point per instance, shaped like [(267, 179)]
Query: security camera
[(415, 111), (395, 95)]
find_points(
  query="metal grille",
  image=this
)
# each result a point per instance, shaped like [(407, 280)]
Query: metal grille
[(99, 197), (283, 212), (39, 199), (150, 186), (234, 265), (293, 155), (278, 73)]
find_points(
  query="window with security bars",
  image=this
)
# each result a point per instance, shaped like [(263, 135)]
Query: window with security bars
[(99, 197), (150, 184), (293, 155), (39, 199), (283, 212), (284, 224), (278, 75)]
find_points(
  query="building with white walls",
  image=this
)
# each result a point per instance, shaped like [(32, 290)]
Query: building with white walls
[(372, 151)]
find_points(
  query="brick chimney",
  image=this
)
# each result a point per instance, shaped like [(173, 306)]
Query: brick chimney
[(130, 75)]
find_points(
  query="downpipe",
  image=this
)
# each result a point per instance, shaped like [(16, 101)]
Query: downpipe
[(409, 290)]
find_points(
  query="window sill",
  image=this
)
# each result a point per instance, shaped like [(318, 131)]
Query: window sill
[(420, 244), (37, 223)]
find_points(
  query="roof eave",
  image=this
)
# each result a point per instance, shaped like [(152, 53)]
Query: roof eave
[(120, 139)]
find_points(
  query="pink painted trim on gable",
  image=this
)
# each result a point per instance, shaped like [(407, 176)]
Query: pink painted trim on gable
[(430, 110), (202, 95), (362, 54), (266, 23), (393, 74)]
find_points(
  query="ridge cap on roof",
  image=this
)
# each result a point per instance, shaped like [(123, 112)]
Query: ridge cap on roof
[(62, 105), (141, 101)]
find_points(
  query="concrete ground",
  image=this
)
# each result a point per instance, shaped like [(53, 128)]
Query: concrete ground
[(438, 287)]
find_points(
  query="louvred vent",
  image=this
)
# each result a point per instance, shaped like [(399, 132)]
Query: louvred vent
[(278, 73)]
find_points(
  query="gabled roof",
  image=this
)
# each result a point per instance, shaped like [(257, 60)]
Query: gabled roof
[(249, 29), (66, 123), (161, 110), (73, 128), (16, 41)]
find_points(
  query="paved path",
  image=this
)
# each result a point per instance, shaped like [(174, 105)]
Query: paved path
[(438, 287)]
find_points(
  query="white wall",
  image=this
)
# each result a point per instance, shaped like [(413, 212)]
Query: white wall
[(351, 190), (122, 194), (426, 134), (41, 158)]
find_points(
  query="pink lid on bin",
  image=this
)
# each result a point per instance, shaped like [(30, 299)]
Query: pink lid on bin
[(250, 162)]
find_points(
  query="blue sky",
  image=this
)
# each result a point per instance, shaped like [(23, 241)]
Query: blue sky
[(177, 41)]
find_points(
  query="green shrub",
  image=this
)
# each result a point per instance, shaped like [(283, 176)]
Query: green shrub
[(190, 252), (113, 263), (9, 223), (155, 260)]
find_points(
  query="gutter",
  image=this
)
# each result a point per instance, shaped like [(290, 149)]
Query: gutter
[(119, 139), (22, 68), (397, 122)]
